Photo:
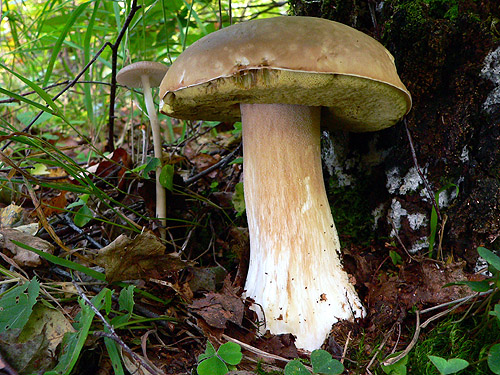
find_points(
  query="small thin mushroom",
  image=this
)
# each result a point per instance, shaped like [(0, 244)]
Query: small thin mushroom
[(275, 75), (145, 75)]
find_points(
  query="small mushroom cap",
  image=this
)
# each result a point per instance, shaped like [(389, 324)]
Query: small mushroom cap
[(290, 60), (130, 75)]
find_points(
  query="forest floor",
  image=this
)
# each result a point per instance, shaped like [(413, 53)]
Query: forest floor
[(69, 257)]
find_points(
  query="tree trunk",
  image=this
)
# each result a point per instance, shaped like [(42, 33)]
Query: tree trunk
[(448, 55)]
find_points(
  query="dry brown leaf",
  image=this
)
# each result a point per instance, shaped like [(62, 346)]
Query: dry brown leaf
[(55, 204), (11, 216), (22, 256), (416, 284), (217, 309), (282, 345), (142, 257), (47, 321)]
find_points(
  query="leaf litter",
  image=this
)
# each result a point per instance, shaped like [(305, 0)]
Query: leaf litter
[(188, 288)]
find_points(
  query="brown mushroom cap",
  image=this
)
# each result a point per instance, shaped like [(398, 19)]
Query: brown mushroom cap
[(290, 60), (130, 75)]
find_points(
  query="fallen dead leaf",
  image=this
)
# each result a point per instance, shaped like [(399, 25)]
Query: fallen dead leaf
[(415, 285), (218, 309), (50, 322), (22, 256), (11, 216), (142, 257), (29, 356), (118, 164), (282, 345), (54, 205)]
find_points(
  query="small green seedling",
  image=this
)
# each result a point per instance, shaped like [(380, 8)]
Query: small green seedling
[(321, 361), (491, 283), (494, 359), (493, 261), (398, 368), (395, 257), (450, 366), (220, 362), (434, 216)]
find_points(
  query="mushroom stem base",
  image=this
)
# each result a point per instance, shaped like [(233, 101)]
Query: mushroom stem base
[(295, 274)]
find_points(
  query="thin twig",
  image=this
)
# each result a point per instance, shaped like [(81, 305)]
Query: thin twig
[(441, 235), (259, 352), (66, 88), (220, 14), (415, 162), (390, 361), (43, 219), (220, 164), (437, 307), (345, 347), (399, 240), (380, 347), (14, 100), (67, 220), (418, 327), (114, 62)]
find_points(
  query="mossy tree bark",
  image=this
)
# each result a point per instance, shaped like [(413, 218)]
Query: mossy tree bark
[(445, 54)]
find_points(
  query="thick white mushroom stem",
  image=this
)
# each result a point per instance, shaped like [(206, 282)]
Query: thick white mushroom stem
[(161, 200), (295, 274)]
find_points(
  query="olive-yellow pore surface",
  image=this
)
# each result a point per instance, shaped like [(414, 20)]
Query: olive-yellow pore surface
[(289, 60)]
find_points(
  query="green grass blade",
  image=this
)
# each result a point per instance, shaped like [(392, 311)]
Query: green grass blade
[(63, 262), (39, 91), (114, 356), (27, 101), (197, 18), (73, 343), (86, 53), (57, 47)]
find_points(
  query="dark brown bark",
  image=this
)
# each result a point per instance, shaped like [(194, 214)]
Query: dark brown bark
[(440, 49)]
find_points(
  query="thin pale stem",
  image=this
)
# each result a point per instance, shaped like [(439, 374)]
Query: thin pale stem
[(161, 208)]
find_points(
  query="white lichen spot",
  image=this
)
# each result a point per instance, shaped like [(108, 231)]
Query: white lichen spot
[(377, 214), (491, 71), (403, 185), (393, 180), (411, 181), (417, 220), (446, 196), (395, 214), (421, 243), (332, 163), (464, 156), (443, 199)]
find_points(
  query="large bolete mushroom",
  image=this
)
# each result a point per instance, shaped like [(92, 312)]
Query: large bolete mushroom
[(275, 75), (145, 75)]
